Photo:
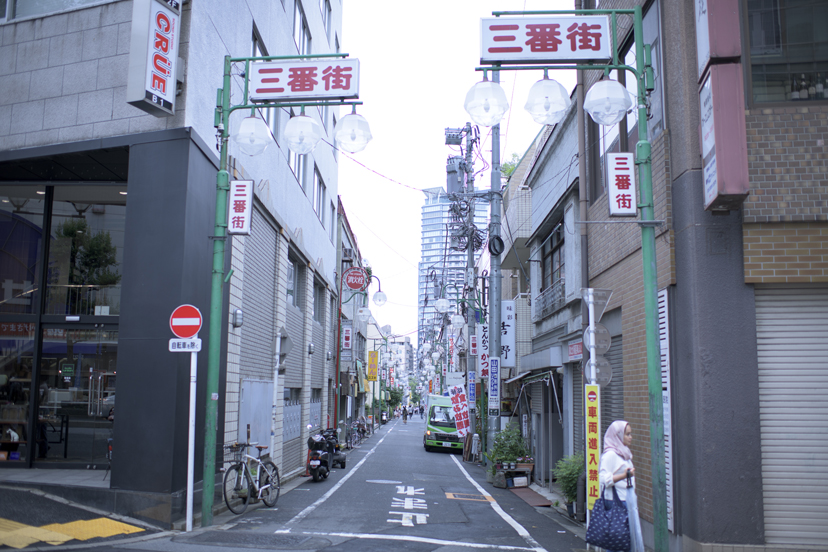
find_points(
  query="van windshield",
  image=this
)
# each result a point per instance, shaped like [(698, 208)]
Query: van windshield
[(442, 416)]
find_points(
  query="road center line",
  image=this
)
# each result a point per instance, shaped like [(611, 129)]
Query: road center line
[(411, 538), (304, 513), (521, 530)]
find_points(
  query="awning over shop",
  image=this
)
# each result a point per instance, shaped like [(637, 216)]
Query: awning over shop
[(514, 379)]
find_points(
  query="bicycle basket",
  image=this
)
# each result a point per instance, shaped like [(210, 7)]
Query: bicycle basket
[(233, 453)]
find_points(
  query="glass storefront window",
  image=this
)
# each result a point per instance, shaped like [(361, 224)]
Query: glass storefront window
[(21, 244), (16, 347), (86, 250), (788, 50)]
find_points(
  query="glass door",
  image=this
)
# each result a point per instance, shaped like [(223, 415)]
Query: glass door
[(76, 394)]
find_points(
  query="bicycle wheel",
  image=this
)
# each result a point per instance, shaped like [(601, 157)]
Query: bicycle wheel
[(269, 481), (237, 488)]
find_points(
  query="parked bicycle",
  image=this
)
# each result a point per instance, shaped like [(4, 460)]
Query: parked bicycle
[(248, 476)]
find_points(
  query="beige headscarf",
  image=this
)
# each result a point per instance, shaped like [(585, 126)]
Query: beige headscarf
[(614, 439)]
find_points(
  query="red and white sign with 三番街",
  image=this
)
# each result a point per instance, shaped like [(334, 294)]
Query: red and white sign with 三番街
[(621, 184), (545, 39), (299, 80), (153, 56), (347, 332), (241, 207), (185, 321), (355, 278), (473, 345)]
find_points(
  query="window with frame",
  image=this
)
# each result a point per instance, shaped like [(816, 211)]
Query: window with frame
[(292, 396), (319, 303), (293, 283), (319, 195), (301, 32), (332, 222), (298, 163), (552, 259), (623, 136), (270, 115), (788, 50), (325, 8)]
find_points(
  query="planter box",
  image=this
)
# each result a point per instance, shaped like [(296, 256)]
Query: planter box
[(525, 466)]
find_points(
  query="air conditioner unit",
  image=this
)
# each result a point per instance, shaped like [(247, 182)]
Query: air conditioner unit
[(347, 254)]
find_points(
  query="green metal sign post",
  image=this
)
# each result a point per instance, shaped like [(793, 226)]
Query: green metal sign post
[(222, 123), (643, 74)]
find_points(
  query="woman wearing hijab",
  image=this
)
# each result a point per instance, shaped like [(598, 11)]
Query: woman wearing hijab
[(616, 462)]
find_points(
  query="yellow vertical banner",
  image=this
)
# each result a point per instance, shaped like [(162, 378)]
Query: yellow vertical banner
[(592, 418), (371, 374)]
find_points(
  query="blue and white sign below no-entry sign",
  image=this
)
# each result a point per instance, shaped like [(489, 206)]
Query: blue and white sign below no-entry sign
[(494, 384)]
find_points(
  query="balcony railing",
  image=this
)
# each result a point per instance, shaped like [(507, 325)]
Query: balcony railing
[(548, 301)]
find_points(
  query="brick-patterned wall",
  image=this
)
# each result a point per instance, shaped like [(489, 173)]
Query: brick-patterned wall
[(786, 252), (787, 164), (611, 243)]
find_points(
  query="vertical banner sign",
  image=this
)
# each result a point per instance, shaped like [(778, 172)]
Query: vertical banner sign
[(153, 56), (461, 409), (473, 345), (621, 184), (430, 386), (347, 333), (472, 385), (494, 385), (241, 207), (483, 358), (710, 178), (371, 375), (507, 334), (592, 418)]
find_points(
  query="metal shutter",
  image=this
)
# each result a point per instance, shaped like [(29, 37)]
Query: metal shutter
[(612, 396), (792, 346), (664, 339), (578, 407), (258, 300)]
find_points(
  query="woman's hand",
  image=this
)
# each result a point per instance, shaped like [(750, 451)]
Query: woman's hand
[(623, 475)]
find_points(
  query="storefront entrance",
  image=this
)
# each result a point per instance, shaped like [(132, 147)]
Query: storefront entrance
[(76, 395)]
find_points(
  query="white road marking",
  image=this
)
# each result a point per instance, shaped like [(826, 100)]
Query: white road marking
[(521, 530), (409, 490), (383, 481), (301, 515), (409, 503), (408, 518), (410, 538)]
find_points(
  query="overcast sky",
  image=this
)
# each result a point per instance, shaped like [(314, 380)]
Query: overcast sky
[(416, 65)]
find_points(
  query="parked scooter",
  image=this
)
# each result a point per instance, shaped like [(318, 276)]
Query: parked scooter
[(318, 460), (324, 454)]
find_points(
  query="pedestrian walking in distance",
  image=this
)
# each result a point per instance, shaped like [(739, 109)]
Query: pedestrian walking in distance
[(616, 461), (405, 415)]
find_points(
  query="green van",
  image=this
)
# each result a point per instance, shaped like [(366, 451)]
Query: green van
[(440, 431)]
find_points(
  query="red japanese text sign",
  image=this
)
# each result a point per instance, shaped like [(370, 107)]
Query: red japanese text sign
[(621, 184), (460, 405), (592, 407), (241, 207), (304, 80), (545, 39)]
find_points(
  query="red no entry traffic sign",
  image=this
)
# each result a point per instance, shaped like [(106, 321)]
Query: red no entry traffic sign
[(185, 321)]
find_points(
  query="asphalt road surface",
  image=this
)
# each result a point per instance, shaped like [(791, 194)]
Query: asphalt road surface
[(392, 496)]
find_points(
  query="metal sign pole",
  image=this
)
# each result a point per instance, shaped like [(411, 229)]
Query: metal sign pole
[(191, 439)]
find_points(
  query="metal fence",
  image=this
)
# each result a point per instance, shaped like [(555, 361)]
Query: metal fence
[(548, 301)]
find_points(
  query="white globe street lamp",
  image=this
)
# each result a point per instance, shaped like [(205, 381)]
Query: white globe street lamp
[(352, 133), (457, 321), (435, 356), (442, 305), (548, 101), (253, 136), (363, 313), (380, 298), (486, 102), (302, 133), (607, 102)]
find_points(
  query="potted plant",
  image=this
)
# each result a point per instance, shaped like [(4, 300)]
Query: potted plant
[(567, 470)]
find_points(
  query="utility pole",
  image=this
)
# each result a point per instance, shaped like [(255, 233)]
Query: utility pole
[(471, 270), (494, 273)]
